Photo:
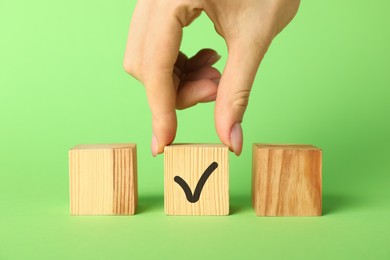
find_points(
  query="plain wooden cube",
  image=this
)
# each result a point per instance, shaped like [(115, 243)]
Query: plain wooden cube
[(103, 179), (190, 162), (287, 180)]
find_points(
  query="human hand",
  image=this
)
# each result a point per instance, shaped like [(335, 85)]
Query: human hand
[(172, 81)]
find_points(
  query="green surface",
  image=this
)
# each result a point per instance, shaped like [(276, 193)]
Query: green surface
[(325, 81)]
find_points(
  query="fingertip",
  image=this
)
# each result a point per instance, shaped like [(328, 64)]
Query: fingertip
[(194, 92), (213, 59), (163, 141), (157, 148), (204, 58), (164, 131), (229, 129)]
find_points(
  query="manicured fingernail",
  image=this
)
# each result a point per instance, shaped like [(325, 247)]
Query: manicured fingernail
[(154, 146), (213, 59), (236, 138)]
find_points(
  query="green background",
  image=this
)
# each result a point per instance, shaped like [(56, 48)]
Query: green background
[(325, 81)]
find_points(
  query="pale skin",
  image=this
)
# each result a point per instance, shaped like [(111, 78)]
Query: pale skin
[(173, 81)]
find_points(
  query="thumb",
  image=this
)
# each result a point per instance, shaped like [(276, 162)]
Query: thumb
[(234, 90)]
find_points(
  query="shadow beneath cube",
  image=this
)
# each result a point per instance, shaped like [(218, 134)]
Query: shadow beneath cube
[(331, 204), (336, 203), (150, 203), (240, 204)]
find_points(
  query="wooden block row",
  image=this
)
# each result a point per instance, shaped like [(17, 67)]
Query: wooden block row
[(286, 180)]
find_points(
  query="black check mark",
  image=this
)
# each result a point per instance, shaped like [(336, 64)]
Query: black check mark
[(198, 189)]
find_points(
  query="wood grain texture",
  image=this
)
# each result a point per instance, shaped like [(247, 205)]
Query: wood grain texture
[(103, 179), (189, 161), (287, 180)]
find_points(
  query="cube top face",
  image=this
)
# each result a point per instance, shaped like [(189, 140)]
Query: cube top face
[(287, 180), (103, 146), (189, 145), (286, 146), (196, 179), (103, 179)]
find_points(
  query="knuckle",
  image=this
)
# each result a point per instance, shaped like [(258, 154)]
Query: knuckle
[(130, 67), (241, 99), (186, 11), (133, 69)]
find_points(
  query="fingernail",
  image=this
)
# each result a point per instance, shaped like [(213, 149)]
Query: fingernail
[(154, 146), (236, 138), (213, 59)]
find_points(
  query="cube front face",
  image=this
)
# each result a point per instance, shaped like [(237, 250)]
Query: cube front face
[(103, 179), (205, 170), (287, 180)]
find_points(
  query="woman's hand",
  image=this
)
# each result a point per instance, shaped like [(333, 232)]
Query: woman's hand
[(173, 81)]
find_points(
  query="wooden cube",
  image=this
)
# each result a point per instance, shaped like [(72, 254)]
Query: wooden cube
[(196, 179), (103, 179), (287, 180)]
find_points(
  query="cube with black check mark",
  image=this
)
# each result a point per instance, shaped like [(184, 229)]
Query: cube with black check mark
[(196, 179)]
